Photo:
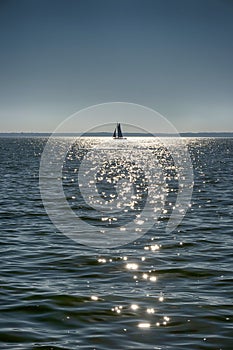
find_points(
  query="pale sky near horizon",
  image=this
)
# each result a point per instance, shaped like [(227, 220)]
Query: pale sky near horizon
[(59, 56)]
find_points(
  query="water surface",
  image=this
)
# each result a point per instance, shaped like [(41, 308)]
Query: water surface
[(163, 291)]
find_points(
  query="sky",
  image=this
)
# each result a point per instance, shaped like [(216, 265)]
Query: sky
[(59, 56)]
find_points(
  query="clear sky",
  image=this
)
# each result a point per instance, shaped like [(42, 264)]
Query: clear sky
[(58, 56)]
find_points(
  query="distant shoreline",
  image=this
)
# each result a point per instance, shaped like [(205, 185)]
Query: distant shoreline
[(108, 134)]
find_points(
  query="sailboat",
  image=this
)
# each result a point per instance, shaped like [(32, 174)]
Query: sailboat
[(117, 134)]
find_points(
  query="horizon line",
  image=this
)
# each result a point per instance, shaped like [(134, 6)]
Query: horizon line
[(107, 133)]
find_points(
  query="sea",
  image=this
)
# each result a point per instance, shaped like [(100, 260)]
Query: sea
[(96, 265)]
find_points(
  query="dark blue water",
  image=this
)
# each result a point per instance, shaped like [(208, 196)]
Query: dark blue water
[(164, 291)]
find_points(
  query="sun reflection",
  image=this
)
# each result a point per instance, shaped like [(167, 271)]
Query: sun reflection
[(161, 297), (144, 325), (117, 309), (154, 247), (134, 307), (132, 266), (145, 276), (112, 174), (150, 310), (153, 278)]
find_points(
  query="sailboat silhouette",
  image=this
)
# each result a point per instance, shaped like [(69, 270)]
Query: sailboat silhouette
[(117, 134)]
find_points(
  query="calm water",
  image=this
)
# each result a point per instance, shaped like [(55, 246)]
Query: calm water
[(164, 291)]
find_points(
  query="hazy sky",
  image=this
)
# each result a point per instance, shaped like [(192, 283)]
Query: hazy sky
[(58, 56)]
